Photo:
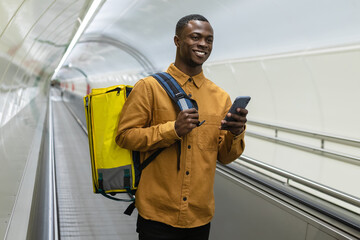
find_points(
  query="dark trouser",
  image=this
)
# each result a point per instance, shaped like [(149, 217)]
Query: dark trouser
[(151, 230)]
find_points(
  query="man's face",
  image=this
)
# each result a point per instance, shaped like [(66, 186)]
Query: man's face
[(195, 43)]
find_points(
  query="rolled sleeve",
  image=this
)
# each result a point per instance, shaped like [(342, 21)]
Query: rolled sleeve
[(231, 147)]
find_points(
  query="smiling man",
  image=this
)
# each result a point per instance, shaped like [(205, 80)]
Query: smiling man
[(175, 197)]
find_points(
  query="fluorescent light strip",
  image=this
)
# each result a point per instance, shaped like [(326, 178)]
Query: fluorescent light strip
[(94, 6)]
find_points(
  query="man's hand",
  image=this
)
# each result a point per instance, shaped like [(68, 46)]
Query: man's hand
[(237, 125), (186, 121)]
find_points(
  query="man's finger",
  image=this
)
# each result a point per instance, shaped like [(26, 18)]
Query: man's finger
[(242, 111), (192, 120), (190, 110), (193, 116)]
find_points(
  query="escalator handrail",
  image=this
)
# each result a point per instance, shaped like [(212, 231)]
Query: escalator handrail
[(307, 182)]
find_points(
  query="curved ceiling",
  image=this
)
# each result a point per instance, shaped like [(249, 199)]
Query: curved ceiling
[(242, 29)]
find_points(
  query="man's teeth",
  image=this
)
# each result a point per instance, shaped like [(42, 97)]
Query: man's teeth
[(200, 53)]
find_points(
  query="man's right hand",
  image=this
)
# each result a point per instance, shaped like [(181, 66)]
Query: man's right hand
[(186, 121)]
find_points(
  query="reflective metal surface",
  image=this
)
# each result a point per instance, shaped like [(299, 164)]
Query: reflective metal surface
[(43, 222), (313, 185), (33, 36), (257, 212)]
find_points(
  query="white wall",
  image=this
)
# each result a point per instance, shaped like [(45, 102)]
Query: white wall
[(316, 91), (312, 90)]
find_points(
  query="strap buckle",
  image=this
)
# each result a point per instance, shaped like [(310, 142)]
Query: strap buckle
[(179, 95)]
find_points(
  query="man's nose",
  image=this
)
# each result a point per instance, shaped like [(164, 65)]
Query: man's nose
[(203, 43)]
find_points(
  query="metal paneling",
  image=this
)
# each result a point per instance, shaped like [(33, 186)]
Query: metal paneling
[(258, 213), (27, 59)]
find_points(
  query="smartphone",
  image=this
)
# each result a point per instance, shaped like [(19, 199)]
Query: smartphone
[(240, 102)]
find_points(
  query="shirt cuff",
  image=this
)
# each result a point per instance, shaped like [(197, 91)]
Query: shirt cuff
[(168, 132), (240, 136)]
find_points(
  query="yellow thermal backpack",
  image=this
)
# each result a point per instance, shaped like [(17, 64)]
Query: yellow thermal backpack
[(112, 166), (115, 169)]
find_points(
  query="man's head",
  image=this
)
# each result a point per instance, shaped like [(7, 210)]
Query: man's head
[(193, 39), (185, 20)]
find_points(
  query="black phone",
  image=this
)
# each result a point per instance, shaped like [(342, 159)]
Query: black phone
[(240, 102)]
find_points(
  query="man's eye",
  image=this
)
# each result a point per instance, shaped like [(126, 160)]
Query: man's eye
[(210, 40), (195, 37)]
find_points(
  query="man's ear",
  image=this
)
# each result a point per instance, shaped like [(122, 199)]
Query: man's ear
[(176, 41)]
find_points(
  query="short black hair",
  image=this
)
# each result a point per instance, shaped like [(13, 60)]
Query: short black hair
[(185, 20)]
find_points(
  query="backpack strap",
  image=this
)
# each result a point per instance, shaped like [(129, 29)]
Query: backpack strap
[(102, 191), (178, 95), (175, 92), (129, 210), (150, 159)]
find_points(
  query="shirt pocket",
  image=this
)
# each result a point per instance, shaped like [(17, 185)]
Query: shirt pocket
[(208, 133)]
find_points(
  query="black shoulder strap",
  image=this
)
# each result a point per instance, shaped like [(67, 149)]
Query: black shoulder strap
[(175, 92), (150, 159)]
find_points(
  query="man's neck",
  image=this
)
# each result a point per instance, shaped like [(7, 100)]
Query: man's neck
[(188, 70)]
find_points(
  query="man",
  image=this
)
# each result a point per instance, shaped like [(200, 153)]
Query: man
[(175, 195)]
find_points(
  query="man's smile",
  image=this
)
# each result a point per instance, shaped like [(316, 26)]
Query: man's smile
[(199, 53)]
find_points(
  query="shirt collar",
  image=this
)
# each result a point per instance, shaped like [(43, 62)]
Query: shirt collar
[(182, 77)]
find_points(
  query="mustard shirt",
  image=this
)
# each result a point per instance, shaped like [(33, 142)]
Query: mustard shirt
[(181, 198)]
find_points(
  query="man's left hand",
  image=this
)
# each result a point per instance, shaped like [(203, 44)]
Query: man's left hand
[(237, 125)]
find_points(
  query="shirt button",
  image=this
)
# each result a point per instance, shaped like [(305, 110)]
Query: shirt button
[(189, 146), (184, 198), (189, 80), (190, 95), (187, 172)]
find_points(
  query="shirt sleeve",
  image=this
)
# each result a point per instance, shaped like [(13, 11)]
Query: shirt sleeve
[(230, 146), (134, 130)]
